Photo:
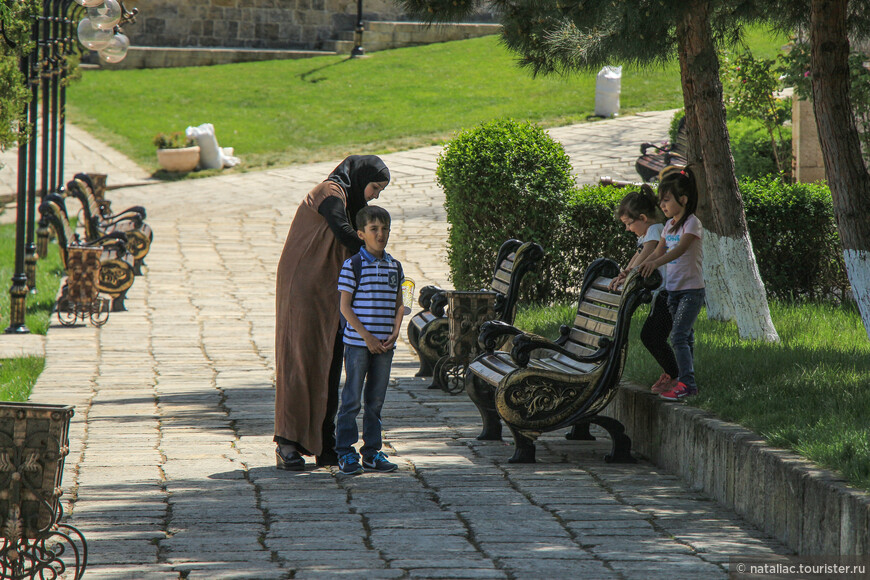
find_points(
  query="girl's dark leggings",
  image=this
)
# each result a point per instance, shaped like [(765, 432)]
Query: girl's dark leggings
[(655, 332)]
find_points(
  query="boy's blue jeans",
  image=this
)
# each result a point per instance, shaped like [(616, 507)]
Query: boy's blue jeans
[(372, 370), (685, 306)]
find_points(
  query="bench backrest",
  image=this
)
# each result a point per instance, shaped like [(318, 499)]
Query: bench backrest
[(602, 321), (53, 212), (515, 259), (90, 207), (681, 145)]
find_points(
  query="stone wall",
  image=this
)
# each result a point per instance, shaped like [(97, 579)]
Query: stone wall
[(272, 24)]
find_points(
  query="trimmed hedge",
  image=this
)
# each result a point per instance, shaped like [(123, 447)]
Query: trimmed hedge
[(503, 179), (795, 238)]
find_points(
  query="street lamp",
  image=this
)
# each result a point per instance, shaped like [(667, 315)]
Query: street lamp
[(44, 69), (358, 49)]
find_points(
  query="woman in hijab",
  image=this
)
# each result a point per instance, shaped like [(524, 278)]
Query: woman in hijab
[(308, 346)]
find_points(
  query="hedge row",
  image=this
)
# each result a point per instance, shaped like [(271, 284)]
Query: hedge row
[(507, 179)]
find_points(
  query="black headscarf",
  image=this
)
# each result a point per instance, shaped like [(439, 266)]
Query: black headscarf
[(354, 174)]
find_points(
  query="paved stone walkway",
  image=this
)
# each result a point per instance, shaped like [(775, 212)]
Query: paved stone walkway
[(172, 472)]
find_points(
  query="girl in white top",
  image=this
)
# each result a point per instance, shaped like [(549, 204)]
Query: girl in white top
[(681, 250), (638, 212)]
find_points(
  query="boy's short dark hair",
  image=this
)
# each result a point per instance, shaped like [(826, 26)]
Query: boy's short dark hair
[(372, 213)]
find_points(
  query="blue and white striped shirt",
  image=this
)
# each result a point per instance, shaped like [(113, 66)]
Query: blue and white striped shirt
[(375, 300)]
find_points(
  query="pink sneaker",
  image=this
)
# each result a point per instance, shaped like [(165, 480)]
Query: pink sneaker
[(678, 392), (664, 384)]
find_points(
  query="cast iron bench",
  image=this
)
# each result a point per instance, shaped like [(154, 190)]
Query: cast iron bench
[(98, 223), (428, 329), (116, 263), (541, 385), (649, 165)]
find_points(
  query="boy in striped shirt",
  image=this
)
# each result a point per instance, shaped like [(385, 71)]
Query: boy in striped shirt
[(373, 309)]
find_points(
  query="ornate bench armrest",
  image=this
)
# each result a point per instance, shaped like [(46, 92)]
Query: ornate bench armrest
[(115, 241), (136, 210), (438, 303), (524, 344), (491, 331), (426, 293), (645, 146), (135, 219)]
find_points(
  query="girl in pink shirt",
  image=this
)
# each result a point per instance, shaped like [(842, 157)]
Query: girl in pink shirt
[(680, 249)]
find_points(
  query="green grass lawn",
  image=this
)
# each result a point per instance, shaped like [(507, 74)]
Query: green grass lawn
[(807, 393), (17, 376), (282, 112)]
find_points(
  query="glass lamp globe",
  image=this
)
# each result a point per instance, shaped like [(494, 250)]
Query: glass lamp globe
[(106, 15), (117, 48), (89, 3), (93, 38)]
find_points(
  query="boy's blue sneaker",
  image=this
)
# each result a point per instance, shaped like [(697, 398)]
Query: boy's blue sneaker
[(379, 462), (348, 464)]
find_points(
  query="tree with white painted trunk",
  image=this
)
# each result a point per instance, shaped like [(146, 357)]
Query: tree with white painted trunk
[(562, 37), (841, 149)]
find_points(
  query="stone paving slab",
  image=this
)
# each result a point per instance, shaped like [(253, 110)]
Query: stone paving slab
[(172, 471)]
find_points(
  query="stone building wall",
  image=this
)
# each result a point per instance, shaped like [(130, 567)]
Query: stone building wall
[(271, 24)]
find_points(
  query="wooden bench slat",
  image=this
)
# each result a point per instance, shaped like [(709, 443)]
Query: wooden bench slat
[(597, 311), (601, 284), (584, 338), (499, 362), (421, 319), (596, 326), (486, 374), (579, 349), (562, 364), (605, 297), (499, 286), (503, 275)]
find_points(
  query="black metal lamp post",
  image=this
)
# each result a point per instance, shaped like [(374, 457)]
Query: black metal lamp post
[(358, 49), (45, 69)]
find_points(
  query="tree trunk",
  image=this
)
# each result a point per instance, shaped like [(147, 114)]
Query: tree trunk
[(730, 271), (841, 147)]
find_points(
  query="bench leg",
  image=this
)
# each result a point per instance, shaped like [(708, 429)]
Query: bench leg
[(483, 397), (580, 432), (118, 302), (524, 448), (620, 452), (426, 369)]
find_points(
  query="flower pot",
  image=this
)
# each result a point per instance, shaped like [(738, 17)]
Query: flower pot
[(178, 160)]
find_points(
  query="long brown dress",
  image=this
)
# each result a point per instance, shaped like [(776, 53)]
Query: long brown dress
[(307, 309)]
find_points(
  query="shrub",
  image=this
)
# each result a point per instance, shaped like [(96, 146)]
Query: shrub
[(752, 150), (503, 179), (795, 238)]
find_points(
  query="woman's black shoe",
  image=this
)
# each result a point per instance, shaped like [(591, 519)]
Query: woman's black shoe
[(327, 458), (294, 462)]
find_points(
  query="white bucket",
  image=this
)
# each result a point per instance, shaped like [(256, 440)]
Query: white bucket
[(607, 88)]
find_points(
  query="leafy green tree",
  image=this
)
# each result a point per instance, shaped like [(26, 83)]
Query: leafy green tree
[(750, 85), (15, 26), (560, 36)]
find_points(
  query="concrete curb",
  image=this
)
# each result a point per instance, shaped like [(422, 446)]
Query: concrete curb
[(811, 510)]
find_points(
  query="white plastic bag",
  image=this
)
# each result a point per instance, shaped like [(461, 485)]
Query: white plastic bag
[(210, 155), (607, 87)]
